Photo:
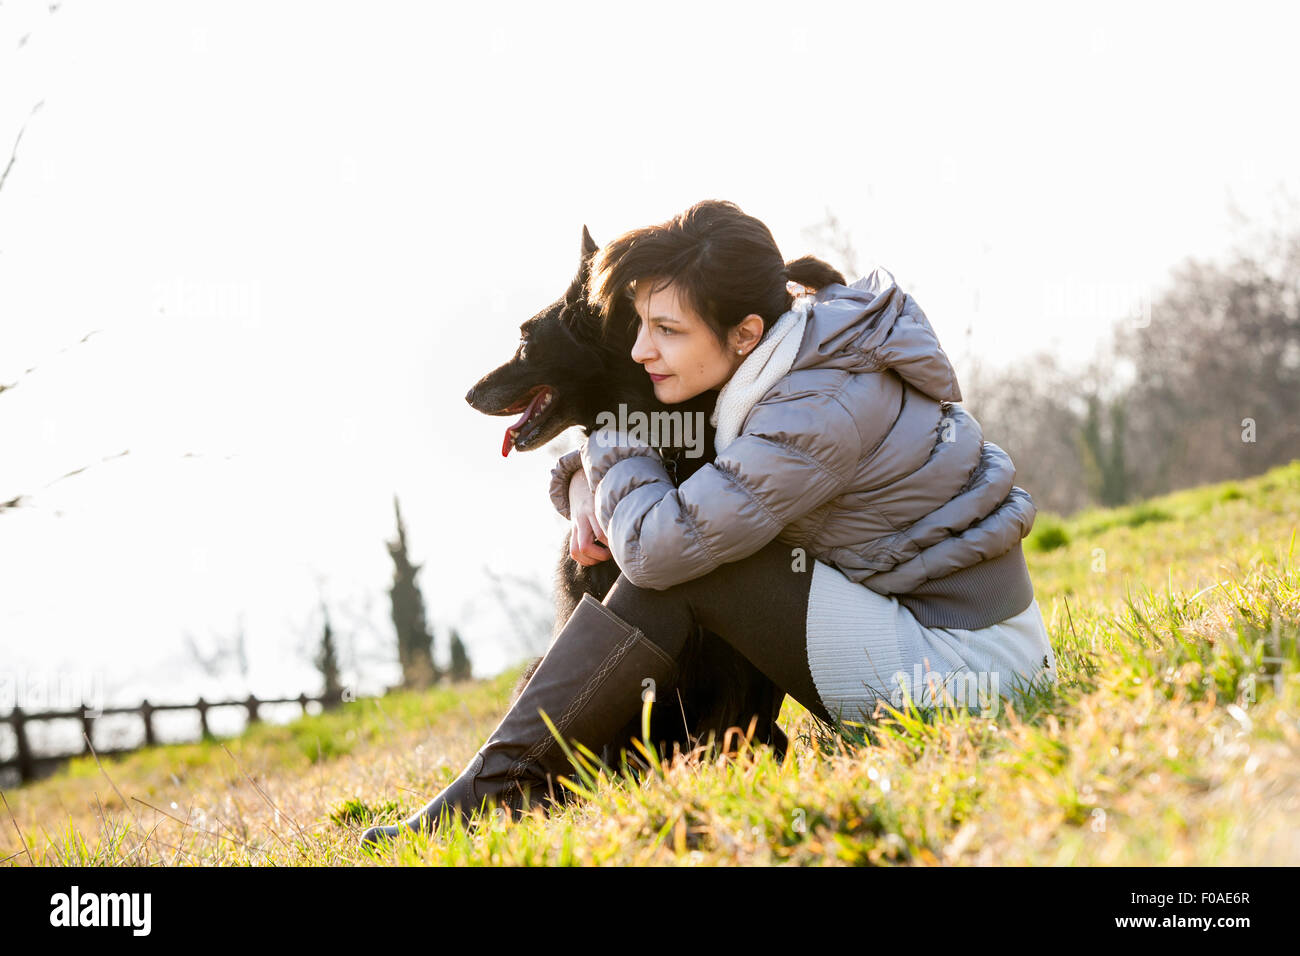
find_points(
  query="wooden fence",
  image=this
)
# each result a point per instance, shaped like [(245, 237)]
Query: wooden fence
[(31, 766)]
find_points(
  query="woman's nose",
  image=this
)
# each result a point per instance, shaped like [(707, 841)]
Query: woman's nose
[(642, 351)]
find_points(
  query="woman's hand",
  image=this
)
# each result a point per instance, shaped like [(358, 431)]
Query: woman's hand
[(586, 537)]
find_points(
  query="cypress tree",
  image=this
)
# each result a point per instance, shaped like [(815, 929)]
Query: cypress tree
[(328, 664), (460, 665), (414, 642)]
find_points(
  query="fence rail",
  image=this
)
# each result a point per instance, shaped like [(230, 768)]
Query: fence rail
[(30, 765)]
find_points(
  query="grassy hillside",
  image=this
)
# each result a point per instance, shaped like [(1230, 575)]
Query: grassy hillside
[(1173, 738)]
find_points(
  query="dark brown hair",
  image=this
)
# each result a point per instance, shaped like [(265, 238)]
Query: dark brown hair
[(725, 265)]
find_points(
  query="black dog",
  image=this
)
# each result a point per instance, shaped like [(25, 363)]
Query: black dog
[(566, 371)]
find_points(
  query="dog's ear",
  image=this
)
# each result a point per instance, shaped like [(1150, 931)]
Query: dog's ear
[(588, 244), (577, 288)]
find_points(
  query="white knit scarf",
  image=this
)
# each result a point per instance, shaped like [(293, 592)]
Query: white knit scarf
[(762, 368)]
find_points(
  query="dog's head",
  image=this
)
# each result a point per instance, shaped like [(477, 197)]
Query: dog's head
[(566, 369)]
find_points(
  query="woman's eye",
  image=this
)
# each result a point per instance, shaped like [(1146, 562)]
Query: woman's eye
[(639, 323)]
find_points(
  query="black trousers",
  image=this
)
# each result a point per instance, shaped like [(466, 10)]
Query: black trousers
[(758, 605)]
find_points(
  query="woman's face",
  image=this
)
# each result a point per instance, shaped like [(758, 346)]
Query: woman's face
[(680, 351)]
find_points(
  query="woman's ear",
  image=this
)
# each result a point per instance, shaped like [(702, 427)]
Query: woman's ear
[(746, 334)]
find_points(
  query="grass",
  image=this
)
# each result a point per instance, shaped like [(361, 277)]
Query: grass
[(1171, 738)]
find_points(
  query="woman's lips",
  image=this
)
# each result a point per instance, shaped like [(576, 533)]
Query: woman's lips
[(658, 378)]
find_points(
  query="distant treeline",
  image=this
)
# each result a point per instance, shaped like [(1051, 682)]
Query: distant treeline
[(1198, 385)]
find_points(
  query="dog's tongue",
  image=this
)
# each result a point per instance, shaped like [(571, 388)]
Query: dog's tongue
[(508, 443)]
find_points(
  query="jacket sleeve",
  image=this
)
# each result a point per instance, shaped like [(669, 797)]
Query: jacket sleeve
[(561, 475), (797, 452)]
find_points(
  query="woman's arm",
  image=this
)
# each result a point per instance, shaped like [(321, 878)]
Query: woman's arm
[(796, 453), (561, 477), (586, 539), (573, 499)]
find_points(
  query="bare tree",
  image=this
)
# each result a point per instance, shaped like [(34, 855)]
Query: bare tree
[(228, 654), (357, 623), (530, 608), (833, 239), (1033, 412), (1218, 367)]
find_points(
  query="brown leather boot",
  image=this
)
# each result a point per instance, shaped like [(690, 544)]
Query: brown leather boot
[(590, 684)]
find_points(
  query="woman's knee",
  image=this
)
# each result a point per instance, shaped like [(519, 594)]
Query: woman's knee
[(623, 593), (769, 578)]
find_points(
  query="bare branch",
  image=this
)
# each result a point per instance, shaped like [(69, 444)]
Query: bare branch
[(16, 501), (77, 471), (13, 153), (28, 371)]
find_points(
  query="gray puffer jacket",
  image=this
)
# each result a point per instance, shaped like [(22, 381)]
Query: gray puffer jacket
[(858, 455)]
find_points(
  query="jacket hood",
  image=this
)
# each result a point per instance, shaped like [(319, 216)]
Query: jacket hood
[(872, 325)]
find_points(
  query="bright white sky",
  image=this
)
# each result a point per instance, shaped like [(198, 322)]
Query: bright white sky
[(301, 231)]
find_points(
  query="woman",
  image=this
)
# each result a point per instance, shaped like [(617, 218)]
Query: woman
[(855, 537)]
